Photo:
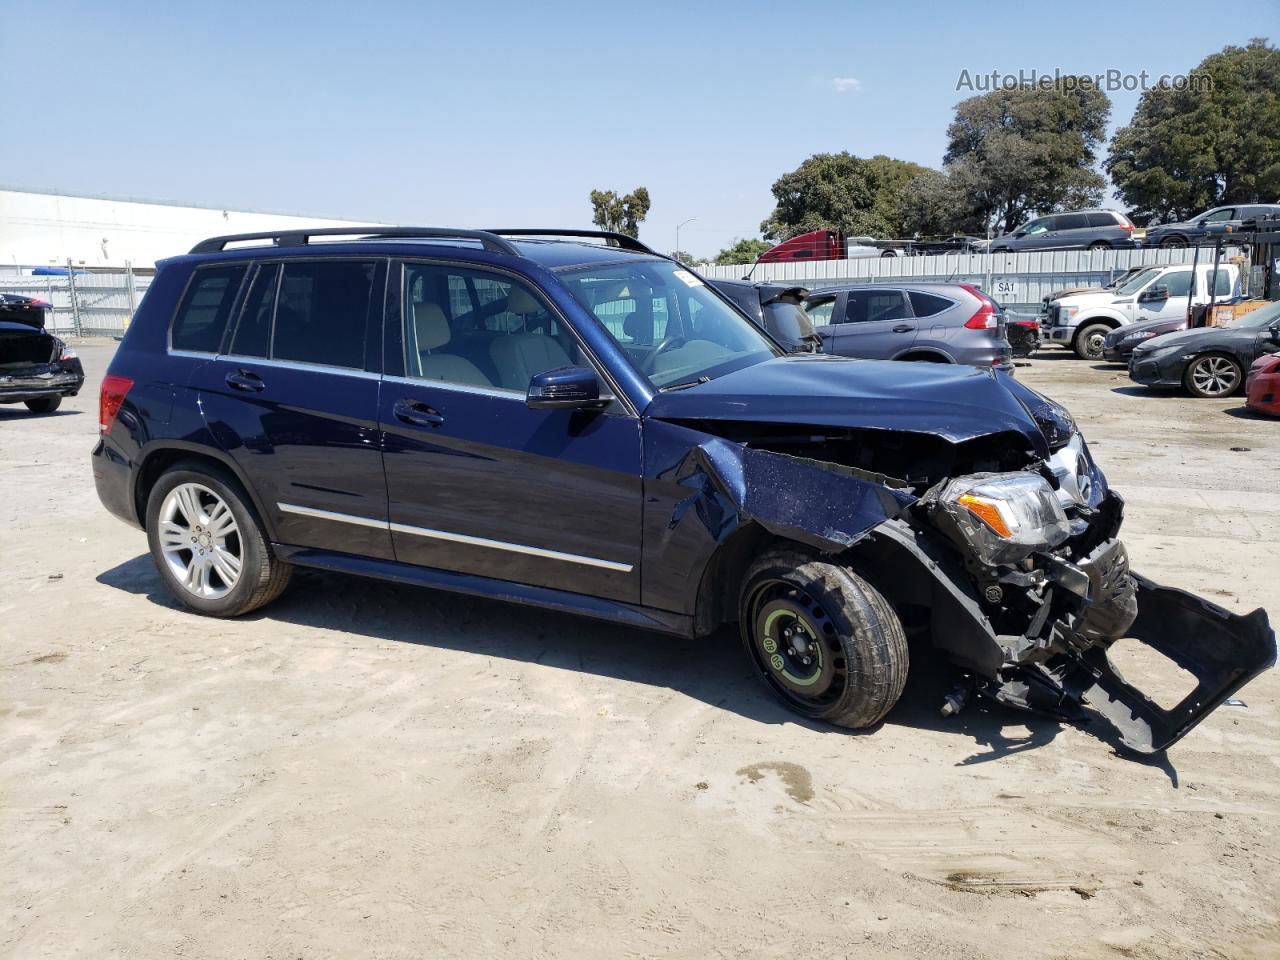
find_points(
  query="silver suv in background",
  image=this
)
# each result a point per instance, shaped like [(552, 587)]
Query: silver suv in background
[(936, 322), (1082, 230)]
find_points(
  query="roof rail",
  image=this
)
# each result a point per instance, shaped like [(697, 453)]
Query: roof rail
[(301, 238), (625, 241)]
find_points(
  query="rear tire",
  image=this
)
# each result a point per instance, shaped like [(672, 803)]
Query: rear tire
[(1099, 245), (208, 544), (1213, 376), (44, 404), (1089, 341), (1176, 240), (823, 639)]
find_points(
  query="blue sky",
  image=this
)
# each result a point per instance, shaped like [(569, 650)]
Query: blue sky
[(508, 114)]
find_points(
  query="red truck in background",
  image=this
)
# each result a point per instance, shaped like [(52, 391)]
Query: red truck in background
[(833, 245)]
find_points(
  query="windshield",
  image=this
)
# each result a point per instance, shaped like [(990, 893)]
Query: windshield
[(1262, 317), (787, 320), (1136, 282), (675, 329)]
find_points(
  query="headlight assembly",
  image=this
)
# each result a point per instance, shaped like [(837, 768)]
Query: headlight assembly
[(1005, 517), (1140, 335)]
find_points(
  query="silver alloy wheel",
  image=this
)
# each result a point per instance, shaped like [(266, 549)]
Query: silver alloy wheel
[(1215, 376), (200, 541)]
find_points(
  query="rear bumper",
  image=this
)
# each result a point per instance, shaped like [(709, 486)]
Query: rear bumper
[(18, 389), (113, 479)]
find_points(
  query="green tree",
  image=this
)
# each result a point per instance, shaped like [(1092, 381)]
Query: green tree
[(742, 251), (935, 205), (688, 259), (838, 191), (1216, 140), (1029, 150), (622, 214)]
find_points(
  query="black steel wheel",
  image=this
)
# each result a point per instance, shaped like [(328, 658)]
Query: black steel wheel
[(824, 640)]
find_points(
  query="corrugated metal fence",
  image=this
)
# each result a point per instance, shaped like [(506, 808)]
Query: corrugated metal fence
[(100, 303), (1017, 280)]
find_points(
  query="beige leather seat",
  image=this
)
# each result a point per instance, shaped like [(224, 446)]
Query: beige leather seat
[(518, 356), (433, 332)]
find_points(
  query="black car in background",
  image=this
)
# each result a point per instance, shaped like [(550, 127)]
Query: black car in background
[(1208, 361), (36, 368), (776, 309), (1121, 342)]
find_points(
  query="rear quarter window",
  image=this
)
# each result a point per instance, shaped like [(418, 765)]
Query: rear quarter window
[(927, 304), (205, 308)]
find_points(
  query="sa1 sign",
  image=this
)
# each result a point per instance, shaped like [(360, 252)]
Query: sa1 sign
[(1004, 291)]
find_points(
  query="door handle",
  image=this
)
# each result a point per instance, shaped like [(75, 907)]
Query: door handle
[(903, 328), (246, 381), (417, 414)]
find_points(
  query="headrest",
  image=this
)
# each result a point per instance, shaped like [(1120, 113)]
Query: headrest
[(520, 301), (633, 327), (431, 326)]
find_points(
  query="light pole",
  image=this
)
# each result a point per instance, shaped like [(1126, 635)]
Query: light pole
[(678, 226)]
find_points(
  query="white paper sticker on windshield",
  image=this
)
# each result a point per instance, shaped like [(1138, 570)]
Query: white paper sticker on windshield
[(689, 279)]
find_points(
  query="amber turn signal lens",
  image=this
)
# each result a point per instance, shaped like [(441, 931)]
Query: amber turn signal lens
[(987, 512)]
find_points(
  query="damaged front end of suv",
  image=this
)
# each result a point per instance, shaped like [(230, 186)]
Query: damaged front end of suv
[(975, 508)]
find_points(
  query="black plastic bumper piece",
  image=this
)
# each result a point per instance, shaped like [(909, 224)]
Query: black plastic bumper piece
[(1222, 650)]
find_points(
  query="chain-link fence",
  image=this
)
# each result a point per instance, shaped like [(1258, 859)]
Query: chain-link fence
[(100, 302)]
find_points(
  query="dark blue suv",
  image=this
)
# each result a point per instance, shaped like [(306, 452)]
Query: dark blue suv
[(567, 419)]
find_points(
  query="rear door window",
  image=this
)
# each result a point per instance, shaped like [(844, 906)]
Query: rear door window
[(206, 306), (322, 311), (253, 333), (869, 306), (1178, 283), (1072, 221), (927, 304)]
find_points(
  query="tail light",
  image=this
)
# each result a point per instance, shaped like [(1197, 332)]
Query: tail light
[(110, 398), (1127, 227)]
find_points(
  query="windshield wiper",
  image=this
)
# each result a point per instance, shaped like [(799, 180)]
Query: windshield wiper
[(687, 383)]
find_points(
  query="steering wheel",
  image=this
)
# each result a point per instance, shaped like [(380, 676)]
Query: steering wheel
[(667, 343)]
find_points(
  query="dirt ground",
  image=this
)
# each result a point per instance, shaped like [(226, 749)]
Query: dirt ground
[(369, 770)]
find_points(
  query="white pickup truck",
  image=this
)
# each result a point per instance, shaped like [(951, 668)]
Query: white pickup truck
[(1083, 320)]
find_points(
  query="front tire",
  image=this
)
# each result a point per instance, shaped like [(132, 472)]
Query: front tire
[(44, 404), (1090, 341), (1100, 245), (209, 545), (1212, 376), (824, 640), (1175, 240)]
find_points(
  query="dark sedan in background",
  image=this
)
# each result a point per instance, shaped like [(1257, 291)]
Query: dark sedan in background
[(1208, 361), (776, 309), (1121, 342), (36, 368)]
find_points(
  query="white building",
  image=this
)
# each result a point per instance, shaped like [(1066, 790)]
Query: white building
[(46, 229)]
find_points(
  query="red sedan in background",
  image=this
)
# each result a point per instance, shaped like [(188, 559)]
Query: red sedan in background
[(1262, 385)]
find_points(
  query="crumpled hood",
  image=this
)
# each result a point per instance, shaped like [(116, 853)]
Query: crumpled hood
[(956, 403)]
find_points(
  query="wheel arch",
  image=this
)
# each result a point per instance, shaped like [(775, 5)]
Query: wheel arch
[(161, 456)]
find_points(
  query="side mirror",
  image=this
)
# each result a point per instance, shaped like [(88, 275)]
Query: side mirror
[(565, 388), (1154, 294)]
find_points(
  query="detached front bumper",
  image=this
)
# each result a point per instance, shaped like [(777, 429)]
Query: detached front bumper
[(1063, 665)]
